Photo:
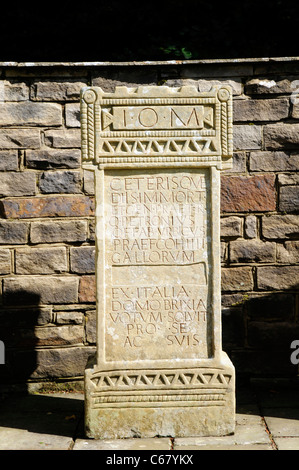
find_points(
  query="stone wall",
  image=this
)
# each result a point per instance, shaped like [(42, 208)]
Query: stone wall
[(47, 284)]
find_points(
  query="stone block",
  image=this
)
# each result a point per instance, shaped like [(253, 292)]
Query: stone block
[(250, 226), (63, 138), (57, 91), (13, 233), (87, 289), (288, 252), (40, 260), (91, 326), (52, 206), (72, 115), (270, 86), (277, 277), (17, 183), (8, 160), (46, 159), (5, 261), (247, 137), (19, 138), (27, 113), (82, 259), (53, 290), (248, 194), (251, 110), (273, 161), (252, 251), (13, 91), (236, 279), (58, 231), (289, 198), (231, 227), (280, 226), (69, 318), (60, 182), (281, 136)]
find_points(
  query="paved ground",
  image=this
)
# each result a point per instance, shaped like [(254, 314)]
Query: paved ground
[(267, 419)]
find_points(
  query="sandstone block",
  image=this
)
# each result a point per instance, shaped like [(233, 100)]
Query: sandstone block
[(19, 138), (231, 226), (17, 184), (49, 290), (87, 289), (82, 259), (237, 279), (261, 110), (288, 252), (295, 110), (70, 138), (5, 261), (55, 206), (289, 198), (58, 231), (273, 161), (280, 135), (250, 251), (266, 86), (90, 326), (60, 182), (57, 91), (40, 260), (247, 137), (280, 226), (8, 160), (30, 114), (13, 91), (248, 194), (277, 277), (70, 318), (48, 159), (13, 233), (72, 115), (250, 226)]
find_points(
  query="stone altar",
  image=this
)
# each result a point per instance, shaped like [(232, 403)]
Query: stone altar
[(159, 369)]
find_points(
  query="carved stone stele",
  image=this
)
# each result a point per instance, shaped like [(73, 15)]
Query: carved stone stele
[(159, 370)]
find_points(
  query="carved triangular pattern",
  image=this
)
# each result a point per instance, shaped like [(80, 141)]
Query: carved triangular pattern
[(155, 146)]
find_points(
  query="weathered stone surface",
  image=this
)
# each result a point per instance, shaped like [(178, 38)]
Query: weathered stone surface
[(82, 259), (5, 261), (247, 137), (278, 136), (91, 326), (61, 182), (261, 110), (277, 277), (30, 114), (252, 251), (72, 115), (269, 86), (70, 318), (280, 226), (65, 138), (288, 179), (289, 198), (237, 279), (248, 194), (288, 252), (45, 159), (19, 138), (54, 206), (87, 289), (13, 91), (25, 289), (295, 110), (231, 226), (17, 184), (57, 91), (8, 160), (41, 260), (273, 161), (250, 226), (13, 232), (58, 231)]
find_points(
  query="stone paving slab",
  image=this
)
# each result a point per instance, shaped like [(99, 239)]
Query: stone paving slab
[(123, 444), (287, 443)]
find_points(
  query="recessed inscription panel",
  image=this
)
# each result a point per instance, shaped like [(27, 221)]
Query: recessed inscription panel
[(157, 265)]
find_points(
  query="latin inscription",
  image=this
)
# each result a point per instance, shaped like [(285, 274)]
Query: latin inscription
[(157, 264), (158, 117)]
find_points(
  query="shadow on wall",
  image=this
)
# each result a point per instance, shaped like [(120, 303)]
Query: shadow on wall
[(19, 317), (258, 332)]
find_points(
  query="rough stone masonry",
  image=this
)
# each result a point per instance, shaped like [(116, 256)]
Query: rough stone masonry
[(47, 254)]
